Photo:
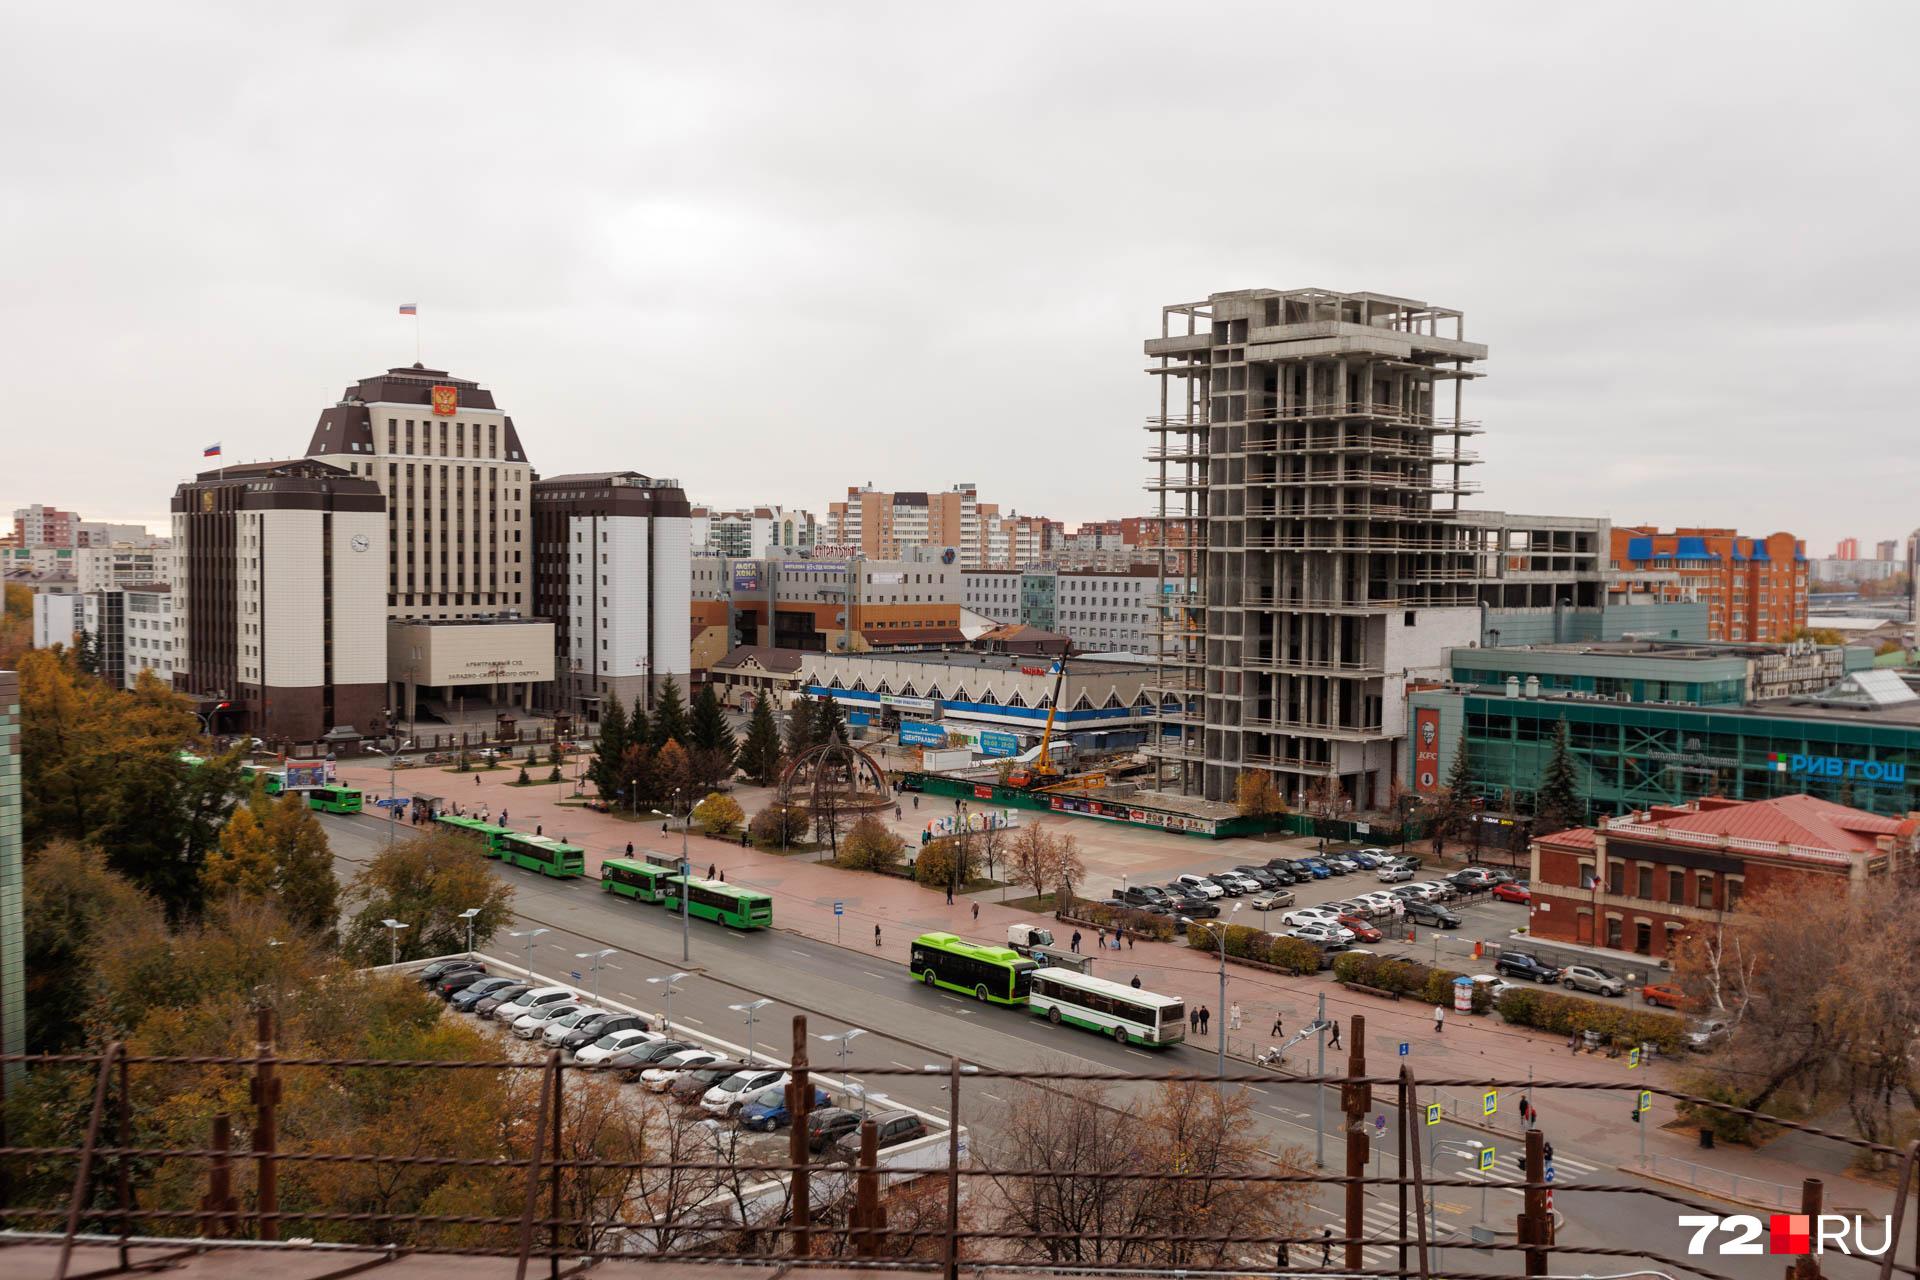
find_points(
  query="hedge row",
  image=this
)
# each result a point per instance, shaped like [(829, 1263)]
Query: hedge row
[(1295, 955), (1407, 978), (1564, 1015)]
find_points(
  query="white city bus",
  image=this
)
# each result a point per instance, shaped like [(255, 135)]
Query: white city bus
[(1126, 1013)]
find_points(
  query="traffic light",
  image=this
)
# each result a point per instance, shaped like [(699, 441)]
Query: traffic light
[(1636, 1115)]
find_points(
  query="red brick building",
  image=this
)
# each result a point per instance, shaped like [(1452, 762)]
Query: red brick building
[(1639, 881), (1755, 589)]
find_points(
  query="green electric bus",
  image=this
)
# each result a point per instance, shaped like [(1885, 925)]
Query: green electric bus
[(484, 834), (539, 853), (628, 879), (1126, 1013), (997, 974), (333, 798), (717, 900)]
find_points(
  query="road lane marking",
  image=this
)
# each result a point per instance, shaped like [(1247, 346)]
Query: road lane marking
[(794, 952), (871, 974), (1136, 1053)]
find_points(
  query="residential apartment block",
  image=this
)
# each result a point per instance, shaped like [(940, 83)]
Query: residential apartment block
[(883, 526), (1755, 589), (43, 526), (753, 531), (1100, 612)]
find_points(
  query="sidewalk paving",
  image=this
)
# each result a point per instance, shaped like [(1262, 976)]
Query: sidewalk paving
[(883, 914)]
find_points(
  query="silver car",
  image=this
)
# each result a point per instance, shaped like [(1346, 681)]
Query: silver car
[(1586, 977)]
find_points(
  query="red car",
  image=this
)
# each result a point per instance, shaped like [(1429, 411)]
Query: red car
[(1362, 931), (1513, 891), (1663, 994)]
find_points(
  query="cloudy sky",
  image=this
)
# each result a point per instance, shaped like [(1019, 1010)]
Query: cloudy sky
[(777, 250)]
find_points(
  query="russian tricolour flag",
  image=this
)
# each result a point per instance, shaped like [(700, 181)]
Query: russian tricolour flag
[(211, 451), (409, 309)]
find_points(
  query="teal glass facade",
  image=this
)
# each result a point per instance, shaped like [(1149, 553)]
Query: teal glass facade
[(1631, 756)]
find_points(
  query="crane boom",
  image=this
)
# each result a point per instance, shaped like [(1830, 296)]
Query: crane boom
[(1043, 764)]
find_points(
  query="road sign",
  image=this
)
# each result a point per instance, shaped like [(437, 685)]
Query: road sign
[(1549, 1173), (576, 975), (1404, 1047), (1486, 1158), (1633, 1059), (1380, 1124), (1549, 1202), (1490, 1102), (839, 908), (1646, 1100), (1433, 1113)]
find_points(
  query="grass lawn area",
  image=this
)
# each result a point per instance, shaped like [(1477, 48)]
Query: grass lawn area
[(1043, 902)]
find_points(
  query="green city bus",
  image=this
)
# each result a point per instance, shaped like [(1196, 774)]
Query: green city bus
[(639, 880), (717, 900), (333, 798), (539, 853), (485, 834), (997, 974)]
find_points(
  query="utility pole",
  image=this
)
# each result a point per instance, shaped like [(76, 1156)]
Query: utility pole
[(1536, 1220), (1357, 1099), (1320, 1090)]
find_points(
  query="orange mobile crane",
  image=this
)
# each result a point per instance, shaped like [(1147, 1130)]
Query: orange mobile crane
[(1043, 771)]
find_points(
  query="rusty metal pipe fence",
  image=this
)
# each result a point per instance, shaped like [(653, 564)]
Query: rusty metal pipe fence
[(798, 1232)]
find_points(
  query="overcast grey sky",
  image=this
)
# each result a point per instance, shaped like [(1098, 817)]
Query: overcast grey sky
[(777, 250)]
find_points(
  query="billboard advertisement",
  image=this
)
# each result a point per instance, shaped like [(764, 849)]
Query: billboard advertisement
[(995, 744), (308, 773), (1426, 750), (746, 575), (918, 733)]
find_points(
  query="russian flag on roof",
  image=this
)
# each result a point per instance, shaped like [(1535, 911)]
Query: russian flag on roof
[(409, 309), (211, 451)]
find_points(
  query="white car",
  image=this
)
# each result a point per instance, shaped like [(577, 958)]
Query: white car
[(534, 1021), (661, 1077), (1377, 904), (611, 1043), (1393, 874), (1200, 885), (725, 1098), (527, 1001), (560, 1024), (1310, 915), (1234, 882), (1326, 935)]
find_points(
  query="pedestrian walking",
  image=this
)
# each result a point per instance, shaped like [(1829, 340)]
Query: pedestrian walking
[(537, 828), (1074, 946), (876, 935), (916, 802), (949, 895), (711, 868), (629, 848), (476, 781), (1333, 1033), (1439, 1018), (744, 842), (976, 913), (503, 817), (1136, 982), (1326, 1246), (1233, 1016), (1547, 1151), (1278, 1030), (1129, 942), (1280, 1260)]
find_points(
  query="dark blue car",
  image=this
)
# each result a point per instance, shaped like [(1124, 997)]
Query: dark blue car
[(767, 1109)]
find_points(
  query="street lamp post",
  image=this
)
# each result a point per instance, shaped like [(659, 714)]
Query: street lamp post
[(960, 823), (393, 936), (1220, 941), (393, 765), (750, 1008), (669, 980), (468, 916), (1466, 1150), (841, 1042), (529, 935), (599, 959)]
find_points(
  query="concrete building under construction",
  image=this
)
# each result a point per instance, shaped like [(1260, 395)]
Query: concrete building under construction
[(1310, 444)]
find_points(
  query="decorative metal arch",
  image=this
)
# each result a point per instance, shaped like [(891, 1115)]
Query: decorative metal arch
[(836, 777)]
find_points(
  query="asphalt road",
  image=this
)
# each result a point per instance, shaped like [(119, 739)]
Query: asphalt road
[(912, 1026)]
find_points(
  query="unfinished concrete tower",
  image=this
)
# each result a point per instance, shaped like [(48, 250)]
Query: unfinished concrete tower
[(1301, 454)]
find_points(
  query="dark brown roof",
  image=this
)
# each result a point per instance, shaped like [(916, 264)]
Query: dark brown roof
[(913, 635), (403, 385), (768, 658)]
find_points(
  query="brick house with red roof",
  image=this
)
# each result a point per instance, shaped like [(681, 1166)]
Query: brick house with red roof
[(1639, 881)]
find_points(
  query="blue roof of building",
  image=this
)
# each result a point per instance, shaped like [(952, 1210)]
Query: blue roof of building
[(1694, 549), (1639, 548), (1738, 554), (1760, 550)]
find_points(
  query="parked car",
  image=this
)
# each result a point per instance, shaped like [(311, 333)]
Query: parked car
[(1394, 873), (1322, 935), (1471, 879), (1238, 882), (1513, 891), (609, 1044), (1342, 863), (693, 1085), (585, 1033), (1664, 994), (1588, 977), (1431, 914), (659, 1078), (1199, 886), (1194, 908), (724, 1097), (1377, 904), (1518, 964), (1260, 876), (531, 1023), (451, 984), (828, 1125), (440, 968), (767, 1110), (1708, 1032), (474, 992), (1438, 890), (1140, 897), (894, 1128), (512, 991), (1272, 900), (1316, 868), (1284, 867), (1358, 926), (561, 1025), (509, 1011), (1421, 892), (634, 1059)]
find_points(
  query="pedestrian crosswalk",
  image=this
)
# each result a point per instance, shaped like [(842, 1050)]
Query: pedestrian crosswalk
[(1507, 1169), (1452, 1213)]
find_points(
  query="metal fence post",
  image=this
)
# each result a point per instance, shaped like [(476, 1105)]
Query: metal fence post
[(266, 1104), (534, 1151), (84, 1173), (219, 1204), (559, 1119), (953, 1170), (1419, 1180), (1536, 1219), (1812, 1200), (799, 1107), (1406, 1129), (124, 1188), (1900, 1192), (1356, 1099), (866, 1196)]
